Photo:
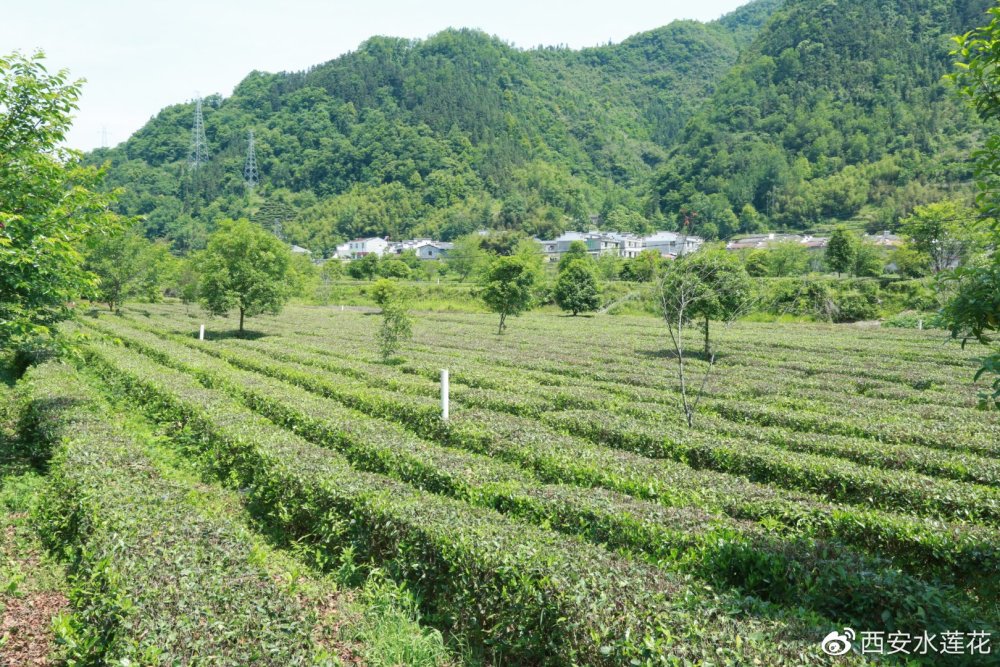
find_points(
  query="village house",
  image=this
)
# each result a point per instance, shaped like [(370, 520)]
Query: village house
[(671, 244), (619, 244), (371, 246), (764, 241), (885, 239), (433, 249)]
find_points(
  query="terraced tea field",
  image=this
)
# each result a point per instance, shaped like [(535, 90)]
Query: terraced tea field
[(564, 514)]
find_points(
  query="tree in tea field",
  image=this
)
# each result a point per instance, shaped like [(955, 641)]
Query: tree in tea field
[(576, 288), (708, 285), (396, 327), (841, 251), (49, 203), (508, 288), (127, 265), (243, 268)]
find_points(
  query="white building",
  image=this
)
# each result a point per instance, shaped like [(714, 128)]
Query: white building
[(370, 246), (598, 243), (622, 244), (432, 249), (671, 243), (629, 245)]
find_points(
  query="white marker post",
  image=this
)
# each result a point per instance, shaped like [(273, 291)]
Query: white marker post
[(444, 394), (201, 333), (920, 324)]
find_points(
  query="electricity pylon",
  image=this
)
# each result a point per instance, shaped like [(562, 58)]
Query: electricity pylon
[(250, 174), (199, 145)]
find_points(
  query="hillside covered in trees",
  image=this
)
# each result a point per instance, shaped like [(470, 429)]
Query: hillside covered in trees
[(780, 115)]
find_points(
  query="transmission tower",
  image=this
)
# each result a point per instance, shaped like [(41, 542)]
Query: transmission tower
[(199, 145), (250, 174)]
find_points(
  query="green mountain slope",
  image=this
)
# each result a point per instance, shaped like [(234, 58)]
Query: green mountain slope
[(837, 110), (439, 136), (782, 114)]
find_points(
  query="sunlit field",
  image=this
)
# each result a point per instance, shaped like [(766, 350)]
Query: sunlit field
[(835, 476)]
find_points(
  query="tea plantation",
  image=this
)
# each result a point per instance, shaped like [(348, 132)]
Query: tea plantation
[(835, 477)]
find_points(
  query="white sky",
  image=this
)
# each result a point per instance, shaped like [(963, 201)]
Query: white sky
[(139, 56)]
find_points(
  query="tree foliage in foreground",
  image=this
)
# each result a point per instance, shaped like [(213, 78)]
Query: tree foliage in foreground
[(49, 203), (975, 312), (244, 268)]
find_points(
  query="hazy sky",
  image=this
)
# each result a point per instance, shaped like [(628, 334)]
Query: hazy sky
[(139, 56)]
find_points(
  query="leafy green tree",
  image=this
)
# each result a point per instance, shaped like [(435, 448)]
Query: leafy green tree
[(909, 262), (186, 279), (432, 269), (622, 219), (303, 277), (708, 285), (467, 257), (841, 251), (751, 222), (577, 251), (501, 243), (609, 266), (937, 230), (727, 292), (365, 268), (126, 266), (787, 258), (974, 312), (409, 257), (508, 288), (642, 268), (246, 268), (869, 260), (393, 268), (333, 269), (529, 252), (49, 203), (756, 263), (396, 327), (577, 290)]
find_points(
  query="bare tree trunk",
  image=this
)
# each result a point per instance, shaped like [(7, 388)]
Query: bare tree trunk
[(503, 316), (241, 321)]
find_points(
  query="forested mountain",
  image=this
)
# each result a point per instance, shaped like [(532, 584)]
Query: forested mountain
[(781, 113), (837, 108)]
